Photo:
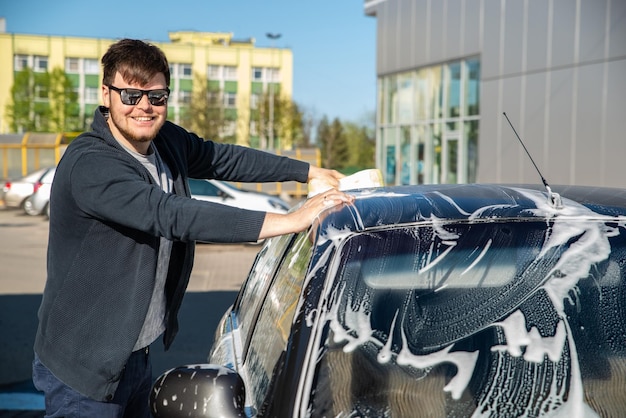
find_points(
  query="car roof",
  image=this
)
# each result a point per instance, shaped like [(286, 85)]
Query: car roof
[(384, 206), (34, 176)]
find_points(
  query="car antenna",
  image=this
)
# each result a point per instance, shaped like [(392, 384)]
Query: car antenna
[(553, 198)]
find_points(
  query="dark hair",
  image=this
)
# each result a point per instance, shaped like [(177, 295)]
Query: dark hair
[(137, 62)]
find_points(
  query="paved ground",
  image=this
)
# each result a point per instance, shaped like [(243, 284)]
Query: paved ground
[(218, 273)]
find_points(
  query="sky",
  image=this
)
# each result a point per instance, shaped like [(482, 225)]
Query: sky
[(333, 42)]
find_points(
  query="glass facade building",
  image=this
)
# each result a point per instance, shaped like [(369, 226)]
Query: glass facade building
[(448, 70)]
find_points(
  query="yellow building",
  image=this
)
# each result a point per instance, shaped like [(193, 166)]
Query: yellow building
[(242, 72)]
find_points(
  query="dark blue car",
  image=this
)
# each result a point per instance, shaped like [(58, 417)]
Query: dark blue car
[(427, 301)]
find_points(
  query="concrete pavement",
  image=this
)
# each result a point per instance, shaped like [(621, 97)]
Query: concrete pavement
[(217, 275)]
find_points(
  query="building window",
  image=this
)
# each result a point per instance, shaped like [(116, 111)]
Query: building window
[(266, 74), (230, 73), (257, 74), (41, 64), (255, 99), (184, 97), (91, 66), (453, 89), (219, 72), (72, 65), (213, 72), (472, 75), (273, 75), (91, 95), (428, 124), (185, 71), (178, 70), (20, 62), (41, 94), (230, 100), (88, 66)]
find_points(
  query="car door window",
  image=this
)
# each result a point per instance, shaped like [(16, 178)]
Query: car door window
[(249, 301), (271, 331), (203, 188)]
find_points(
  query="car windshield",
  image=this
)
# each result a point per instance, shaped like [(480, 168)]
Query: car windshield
[(416, 314)]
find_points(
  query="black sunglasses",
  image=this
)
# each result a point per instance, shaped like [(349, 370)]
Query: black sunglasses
[(131, 97)]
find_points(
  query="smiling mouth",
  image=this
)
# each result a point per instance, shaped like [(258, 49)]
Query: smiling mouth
[(143, 118)]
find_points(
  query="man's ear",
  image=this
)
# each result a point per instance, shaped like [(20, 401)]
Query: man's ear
[(106, 96)]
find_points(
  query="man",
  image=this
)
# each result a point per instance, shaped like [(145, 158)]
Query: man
[(122, 233)]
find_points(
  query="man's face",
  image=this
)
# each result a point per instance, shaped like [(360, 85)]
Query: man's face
[(135, 125)]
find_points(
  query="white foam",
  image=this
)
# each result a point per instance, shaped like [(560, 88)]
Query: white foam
[(591, 247)]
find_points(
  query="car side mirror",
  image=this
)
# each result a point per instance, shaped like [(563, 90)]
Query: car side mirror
[(224, 195), (203, 390)]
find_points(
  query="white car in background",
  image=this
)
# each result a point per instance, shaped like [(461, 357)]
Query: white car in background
[(16, 192), (207, 190), (221, 192), (39, 202)]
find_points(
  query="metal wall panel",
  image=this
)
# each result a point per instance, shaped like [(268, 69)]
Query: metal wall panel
[(489, 146), (437, 27), (453, 25), (563, 32), (559, 139), (617, 34), (592, 39), (537, 36), (405, 32), (490, 55), (587, 157), (533, 124), (513, 162), (421, 40), (472, 27), (614, 124), (388, 47), (513, 49)]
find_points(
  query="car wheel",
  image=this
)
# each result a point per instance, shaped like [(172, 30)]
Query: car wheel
[(29, 208), (47, 211)]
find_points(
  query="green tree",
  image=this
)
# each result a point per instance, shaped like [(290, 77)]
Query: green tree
[(205, 115), (309, 119), (64, 109), (361, 146), (323, 132), (21, 109), (290, 126), (286, 124), (333, 142), (43, 102)]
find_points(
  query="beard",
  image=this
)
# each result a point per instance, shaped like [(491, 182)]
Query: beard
[(132, 133), (134, 137)]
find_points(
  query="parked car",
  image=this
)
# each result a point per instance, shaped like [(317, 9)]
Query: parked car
[(39, 202), (433, 301), (17, 191), (225, 193), (222, 192)]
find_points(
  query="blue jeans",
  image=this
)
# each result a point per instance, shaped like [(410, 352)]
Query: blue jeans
[(131, 398)]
